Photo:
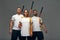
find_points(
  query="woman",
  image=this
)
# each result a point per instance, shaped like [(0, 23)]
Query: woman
[(26, 26)]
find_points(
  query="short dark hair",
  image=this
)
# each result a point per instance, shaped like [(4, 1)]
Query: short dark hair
[(18, 7), (34, 10)]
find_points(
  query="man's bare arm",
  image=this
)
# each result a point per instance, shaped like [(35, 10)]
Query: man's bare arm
[(10, 27), (44, 27)]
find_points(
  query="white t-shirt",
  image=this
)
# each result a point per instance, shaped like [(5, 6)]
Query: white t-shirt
[(25, 26), (16, 19), (36, 24)]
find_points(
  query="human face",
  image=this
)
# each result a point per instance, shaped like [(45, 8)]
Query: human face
[(35, 13), (26, 13), (18, 10)]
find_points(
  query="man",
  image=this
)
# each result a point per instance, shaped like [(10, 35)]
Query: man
[(26, 26), (14, 30), (37, 25)]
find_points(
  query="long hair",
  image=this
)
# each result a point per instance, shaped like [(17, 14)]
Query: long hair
[(27, 12)]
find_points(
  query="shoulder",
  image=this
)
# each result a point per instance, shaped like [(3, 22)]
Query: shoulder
[(40, 17), (32, 17), (21, 15), (14, 15)]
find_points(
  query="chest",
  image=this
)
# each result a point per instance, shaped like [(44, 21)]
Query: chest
[(26, 20), (35, 19), (17, 18)]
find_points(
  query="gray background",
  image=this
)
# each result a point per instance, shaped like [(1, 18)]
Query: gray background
[(51, 16)]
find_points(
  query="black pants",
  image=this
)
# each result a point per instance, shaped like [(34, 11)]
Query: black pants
[(38, 34), (26, 37), (15, 34)]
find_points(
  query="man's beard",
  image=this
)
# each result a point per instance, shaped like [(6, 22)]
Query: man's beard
[(35, 14)]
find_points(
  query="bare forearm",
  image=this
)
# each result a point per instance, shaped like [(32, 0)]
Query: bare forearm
[(44, 26), (31, 29), (30, 12), (31, 32), (11, 24), (10, 27)]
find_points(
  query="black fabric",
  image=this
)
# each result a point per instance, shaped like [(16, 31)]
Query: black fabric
[(26, 37), (39, 35), (15, 34)]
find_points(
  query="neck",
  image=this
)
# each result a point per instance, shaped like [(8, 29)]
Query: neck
[(26, 16), (18, 13), (35, 16)]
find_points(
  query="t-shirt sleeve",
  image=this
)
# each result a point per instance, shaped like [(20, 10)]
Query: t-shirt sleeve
[(12, 18), (22, 16)]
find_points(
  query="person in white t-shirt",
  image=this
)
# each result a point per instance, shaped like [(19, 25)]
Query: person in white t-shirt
[(26, 26), (37, 27), (14, 30)]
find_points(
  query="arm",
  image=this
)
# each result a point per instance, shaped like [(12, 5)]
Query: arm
[(43, 26), (11, 24), (20, 24), (30, 27), (30, 12), (10, 27)]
